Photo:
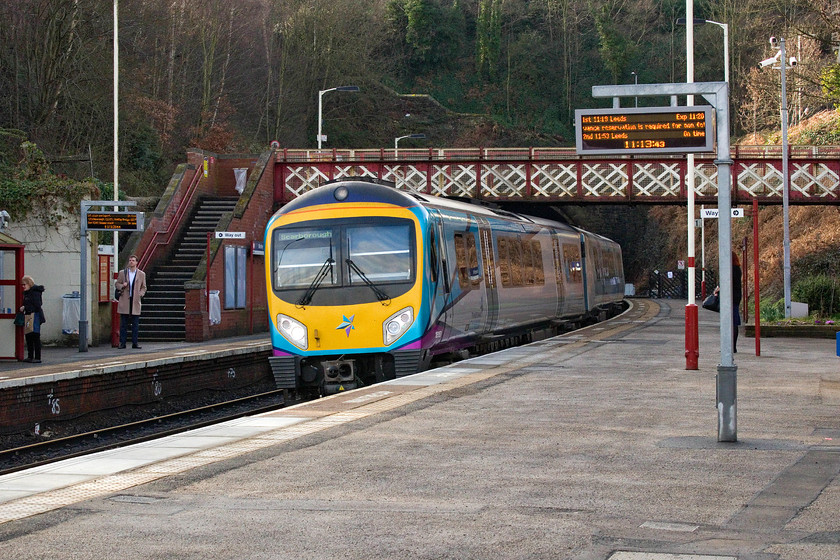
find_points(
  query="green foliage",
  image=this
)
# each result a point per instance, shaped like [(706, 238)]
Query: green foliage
[(820, 292), (616, 51), (30, 189), (488, 41), (429, 34), (772, 310), (823, 134), (830, 83)]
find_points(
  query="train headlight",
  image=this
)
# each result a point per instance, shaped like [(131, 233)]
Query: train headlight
[(396, 325), (294, 331)]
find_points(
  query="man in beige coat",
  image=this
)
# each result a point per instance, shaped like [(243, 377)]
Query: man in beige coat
[(132, 283)]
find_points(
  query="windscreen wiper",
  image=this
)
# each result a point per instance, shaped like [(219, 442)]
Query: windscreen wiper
[(316, 282), (380, 295)]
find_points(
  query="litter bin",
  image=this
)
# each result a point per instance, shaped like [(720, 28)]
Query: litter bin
[(215, 311), (70, 312)]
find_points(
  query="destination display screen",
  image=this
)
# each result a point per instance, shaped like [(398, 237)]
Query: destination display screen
[(110, 221), (648, 130)]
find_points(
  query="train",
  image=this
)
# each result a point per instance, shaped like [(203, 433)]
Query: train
[(367, 282)]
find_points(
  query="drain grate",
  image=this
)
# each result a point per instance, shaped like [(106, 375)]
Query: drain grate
[(129, 499), (624, 555)]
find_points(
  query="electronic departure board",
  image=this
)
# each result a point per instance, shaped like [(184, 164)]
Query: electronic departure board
[(648, 130), (110, 221)]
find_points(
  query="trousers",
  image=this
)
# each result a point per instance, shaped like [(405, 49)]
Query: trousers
[(134, 321)]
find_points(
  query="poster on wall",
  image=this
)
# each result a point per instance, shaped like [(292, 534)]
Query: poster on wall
[(104, 278)]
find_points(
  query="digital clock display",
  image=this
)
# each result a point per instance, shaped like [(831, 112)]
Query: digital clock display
[(644, 130)]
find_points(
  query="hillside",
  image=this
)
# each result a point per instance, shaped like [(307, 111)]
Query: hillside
[(814, 230)]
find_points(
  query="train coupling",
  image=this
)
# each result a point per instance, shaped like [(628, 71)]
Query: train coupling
[(339, 375)]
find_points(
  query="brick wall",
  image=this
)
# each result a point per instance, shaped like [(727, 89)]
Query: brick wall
[(250, 216)]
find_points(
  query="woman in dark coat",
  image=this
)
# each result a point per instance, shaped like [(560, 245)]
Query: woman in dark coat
[(32, 302), (737, 294)]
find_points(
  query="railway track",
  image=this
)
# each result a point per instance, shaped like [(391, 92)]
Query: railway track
[(101, 439), (48, 451)]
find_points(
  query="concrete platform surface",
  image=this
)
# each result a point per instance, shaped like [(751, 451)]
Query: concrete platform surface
[(597, 445)]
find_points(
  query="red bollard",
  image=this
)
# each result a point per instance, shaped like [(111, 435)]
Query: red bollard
[(115, 325), (692, 336)]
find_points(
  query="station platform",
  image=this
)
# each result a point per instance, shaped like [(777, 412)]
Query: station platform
[(69, 384), (57, 360), (594, 445)]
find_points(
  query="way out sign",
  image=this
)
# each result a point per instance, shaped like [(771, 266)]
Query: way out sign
[(712, 213), (230, 235)]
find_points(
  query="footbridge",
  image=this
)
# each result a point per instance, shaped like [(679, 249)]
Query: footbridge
[(559, 175), (535, 175)]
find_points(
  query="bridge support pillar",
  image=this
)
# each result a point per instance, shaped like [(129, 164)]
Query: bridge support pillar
[(692, 336)]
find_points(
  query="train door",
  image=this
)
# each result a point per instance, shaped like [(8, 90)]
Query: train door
[(559, 275), (587, 292), (488, 266), (468, 305), (573, 292), (442, 295)]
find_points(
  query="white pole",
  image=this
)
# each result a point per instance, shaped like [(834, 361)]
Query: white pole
[(320, 106), (691, 358), (785, 180), (116, 124)]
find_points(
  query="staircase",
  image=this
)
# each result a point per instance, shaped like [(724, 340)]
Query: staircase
[(163, 315)]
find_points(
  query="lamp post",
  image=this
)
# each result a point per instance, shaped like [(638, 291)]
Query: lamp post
[(116, 127), (725, 27), (783, 63), (321, 105), (397, 140), (635, 82)]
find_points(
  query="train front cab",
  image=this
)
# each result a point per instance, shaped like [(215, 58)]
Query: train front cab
[(345, 290)]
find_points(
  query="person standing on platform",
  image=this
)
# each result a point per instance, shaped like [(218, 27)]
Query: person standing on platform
[(131, 282), (737, 294), (32, 302)]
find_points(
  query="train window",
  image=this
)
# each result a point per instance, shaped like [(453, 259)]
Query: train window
[(300, 254), (433, 256), (466, 258), (537, 273), (461, 260), (516, 262), (520, 262), (381, 252), (572, 264)]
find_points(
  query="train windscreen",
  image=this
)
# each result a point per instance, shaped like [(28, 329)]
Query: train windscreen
[(375, 259)]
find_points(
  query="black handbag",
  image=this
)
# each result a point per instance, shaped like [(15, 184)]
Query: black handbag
[(20, 319), (117, 292), (712, 303)]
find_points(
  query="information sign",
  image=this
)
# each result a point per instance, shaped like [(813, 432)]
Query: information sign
[(114, 221), (713, 213), (230, 235), (649, 130)]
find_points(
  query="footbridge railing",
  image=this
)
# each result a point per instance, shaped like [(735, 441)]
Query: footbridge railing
[(559, 175)]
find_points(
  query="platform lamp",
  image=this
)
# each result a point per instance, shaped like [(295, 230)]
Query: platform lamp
[(397, 140), (321, 104)]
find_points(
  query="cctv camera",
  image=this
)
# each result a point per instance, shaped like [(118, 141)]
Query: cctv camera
[(766, 62), (774, 42), (793, 61)]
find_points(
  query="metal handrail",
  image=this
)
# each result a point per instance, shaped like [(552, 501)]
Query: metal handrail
[(174, 223), (526, 154)]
